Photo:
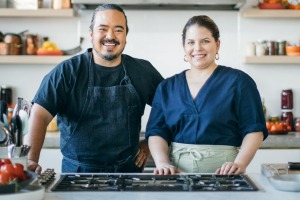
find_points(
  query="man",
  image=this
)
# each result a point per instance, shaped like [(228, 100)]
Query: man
[(99, 98)]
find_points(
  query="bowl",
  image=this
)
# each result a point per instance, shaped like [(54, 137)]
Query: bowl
[(292, 50), (14, 187), (271, 6), (286, 182), (278, 132), (41, 52)]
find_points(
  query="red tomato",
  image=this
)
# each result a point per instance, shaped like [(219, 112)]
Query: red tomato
[(4, 178), (8, 169), (12, 171), (19, 172), (5, 161)]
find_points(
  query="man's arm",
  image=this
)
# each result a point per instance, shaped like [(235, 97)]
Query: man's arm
[(37, 127)]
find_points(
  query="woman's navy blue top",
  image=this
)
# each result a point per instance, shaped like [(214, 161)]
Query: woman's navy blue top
[(227, 107)]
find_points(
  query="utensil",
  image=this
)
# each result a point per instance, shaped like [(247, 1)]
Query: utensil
[(4, 135), (74, 50), (24, 120), (24, 150)]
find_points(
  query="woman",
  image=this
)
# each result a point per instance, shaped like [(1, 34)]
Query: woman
[(205, 113)]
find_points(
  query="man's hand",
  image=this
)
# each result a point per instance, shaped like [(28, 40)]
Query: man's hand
[(142, 155), (34, 166)]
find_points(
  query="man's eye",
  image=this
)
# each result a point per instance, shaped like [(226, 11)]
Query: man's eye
[(119, 30), (205, 41)]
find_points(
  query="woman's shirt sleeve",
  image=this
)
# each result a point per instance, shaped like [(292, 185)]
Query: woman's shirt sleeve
[(156, 125), (249, 106)]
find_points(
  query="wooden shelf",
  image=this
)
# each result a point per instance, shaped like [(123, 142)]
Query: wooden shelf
[(42, 12), (24, 59), (272, 60), (268, 13)]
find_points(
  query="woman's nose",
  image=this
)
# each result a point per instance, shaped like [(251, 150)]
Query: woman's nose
[(198, 46)]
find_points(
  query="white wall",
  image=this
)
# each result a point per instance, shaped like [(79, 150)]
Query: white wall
[(155, 35)]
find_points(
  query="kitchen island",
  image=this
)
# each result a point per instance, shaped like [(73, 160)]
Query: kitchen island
[(265, 192), (275, 149)]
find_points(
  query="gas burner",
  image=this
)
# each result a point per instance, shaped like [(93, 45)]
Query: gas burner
[(149, 182)]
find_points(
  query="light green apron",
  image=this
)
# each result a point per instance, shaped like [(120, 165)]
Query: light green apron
[(192, 158)]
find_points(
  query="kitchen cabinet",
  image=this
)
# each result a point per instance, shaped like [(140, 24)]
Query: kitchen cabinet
[(257, 13), (52, 158), (39, 13)]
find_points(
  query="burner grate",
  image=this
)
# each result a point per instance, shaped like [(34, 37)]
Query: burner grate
[(187, 182)]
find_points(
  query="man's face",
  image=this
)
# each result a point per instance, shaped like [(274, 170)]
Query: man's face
[(108, 37)]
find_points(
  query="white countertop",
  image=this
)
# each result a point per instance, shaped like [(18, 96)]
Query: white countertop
[(266, 192)]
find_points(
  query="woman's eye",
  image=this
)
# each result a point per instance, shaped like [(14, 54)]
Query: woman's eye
[(205, 42)]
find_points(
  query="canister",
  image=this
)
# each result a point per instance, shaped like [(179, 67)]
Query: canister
[(281, 47), (287, 99)]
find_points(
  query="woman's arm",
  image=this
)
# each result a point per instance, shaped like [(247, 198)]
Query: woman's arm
[(250, 144), (159, 151)]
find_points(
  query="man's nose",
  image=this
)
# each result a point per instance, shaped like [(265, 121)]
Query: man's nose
[(110, 34)]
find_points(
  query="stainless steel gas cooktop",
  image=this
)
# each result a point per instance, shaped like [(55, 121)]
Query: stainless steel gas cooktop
[(150, 182)]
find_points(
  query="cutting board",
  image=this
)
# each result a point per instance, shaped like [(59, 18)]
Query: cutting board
[(271, 169)]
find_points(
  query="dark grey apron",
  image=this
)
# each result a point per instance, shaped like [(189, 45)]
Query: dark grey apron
[(106, 136)]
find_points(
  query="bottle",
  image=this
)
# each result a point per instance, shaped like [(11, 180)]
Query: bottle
[(287, 99), (6, 95), (287, 116)]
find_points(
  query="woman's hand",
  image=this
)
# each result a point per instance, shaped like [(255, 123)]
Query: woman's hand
[(165, 169), (231, 168)]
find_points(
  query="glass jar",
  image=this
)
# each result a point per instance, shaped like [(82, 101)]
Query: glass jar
[(274, 118), (272, 47), (287, 116), (260, 48), (297, 124), (287, 99), (281, 47)]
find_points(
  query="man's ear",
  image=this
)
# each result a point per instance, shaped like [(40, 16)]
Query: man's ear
[(91, 34)]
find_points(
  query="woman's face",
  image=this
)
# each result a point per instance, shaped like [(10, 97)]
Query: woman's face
[(200, 47)]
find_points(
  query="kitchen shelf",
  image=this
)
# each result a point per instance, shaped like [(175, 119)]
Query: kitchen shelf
[(41, 12), (24, 59), (272, 60), (270, 13)]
